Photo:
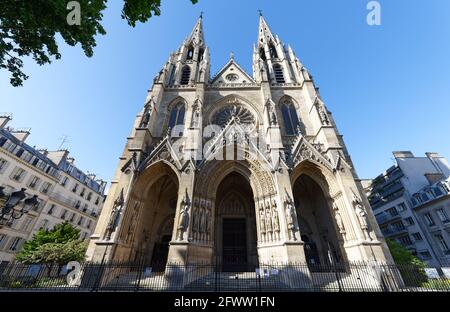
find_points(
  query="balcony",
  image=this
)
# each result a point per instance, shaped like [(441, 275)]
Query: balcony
[(393, 232), (387, 217)]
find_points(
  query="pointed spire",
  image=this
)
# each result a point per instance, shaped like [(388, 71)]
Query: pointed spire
[(197, 32), (264, 31)]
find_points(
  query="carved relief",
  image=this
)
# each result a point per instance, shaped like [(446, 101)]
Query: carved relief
[(290, 216)]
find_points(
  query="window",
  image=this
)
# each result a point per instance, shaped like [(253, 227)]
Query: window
[(34, 182), (177, 115), (80, 222), (44, 224), (290, 117), (190, 53), (51, 210), (401, 207), (88, 224), (185, 75), (273, 51), (392, 212), (398, 226), (279, 76), (97, 201), (425, 255), (85, 207), (72, 217), (64, 181), (26, 224), (89, 196), (3, 164), (3, 239), (405, 240), (19, 175), (82, 192), (77, 204), (63, 214), (45, 187), (429, 219), (262, 54), (172, 74), (409, 221), (417, 237), (442, 215), (15, 244), (75, 188), (442, 244)]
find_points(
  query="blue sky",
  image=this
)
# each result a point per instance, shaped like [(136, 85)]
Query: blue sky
[(388, 86)]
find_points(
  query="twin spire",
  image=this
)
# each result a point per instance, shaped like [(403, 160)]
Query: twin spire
[(272, 62)]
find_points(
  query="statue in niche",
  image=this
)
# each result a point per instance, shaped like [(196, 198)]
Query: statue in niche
[(290, 216), (195, 220), (208, 221), (146, 117), (362, 217), (269, 227), (262, 223), (184, 216), (202, 221), (114, 217), (133, 220), (323, 115), (339, 221), (275, 220), (272, 114), (195, 121)]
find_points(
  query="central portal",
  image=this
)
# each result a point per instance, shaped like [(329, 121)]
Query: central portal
[(234, 245), (235, 225)]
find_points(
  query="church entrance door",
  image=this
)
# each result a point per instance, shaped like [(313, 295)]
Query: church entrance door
[(234, 245)]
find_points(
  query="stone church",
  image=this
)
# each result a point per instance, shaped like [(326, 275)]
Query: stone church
[(235, 169)]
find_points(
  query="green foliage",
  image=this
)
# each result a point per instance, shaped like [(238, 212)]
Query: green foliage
[(410, 267), (29, 28), (402, 255), (59, 245)]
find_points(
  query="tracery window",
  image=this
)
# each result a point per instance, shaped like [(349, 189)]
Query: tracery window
[(279, 76), (177, 115), (290, 117), (185, 75)]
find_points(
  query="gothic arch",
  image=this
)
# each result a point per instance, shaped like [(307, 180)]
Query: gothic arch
[(319, 173), (252, 169), (151, 174), (288, 100), (173, 103), (232, 99)]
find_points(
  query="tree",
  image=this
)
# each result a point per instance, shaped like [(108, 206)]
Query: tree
[(410, 267), (28, 28), (59, 245)]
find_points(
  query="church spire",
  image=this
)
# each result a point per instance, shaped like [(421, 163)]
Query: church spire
[(196, 36)]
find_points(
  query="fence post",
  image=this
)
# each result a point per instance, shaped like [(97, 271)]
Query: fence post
[(337, 277), (140, 269)]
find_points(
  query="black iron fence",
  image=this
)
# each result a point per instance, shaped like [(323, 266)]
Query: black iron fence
[(357, 277)]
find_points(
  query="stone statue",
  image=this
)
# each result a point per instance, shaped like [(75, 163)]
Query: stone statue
[(195, 220), (323, 115), (195, 114), (262, 222), (339, 221), (208, 220), (272, 114), (184, 216), (146, 117), (362, 217), (275, 220), (202, 220), (114, 217), (290, 216)]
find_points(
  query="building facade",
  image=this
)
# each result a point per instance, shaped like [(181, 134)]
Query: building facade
[(64, 191), (235, 169), (411, 202)]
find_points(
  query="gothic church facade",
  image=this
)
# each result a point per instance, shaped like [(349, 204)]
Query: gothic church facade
[(236, 169)]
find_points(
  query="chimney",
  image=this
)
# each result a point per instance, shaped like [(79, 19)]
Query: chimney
[(21, 134), (70, 160), (4, 119), (91, 176), (403, 154)]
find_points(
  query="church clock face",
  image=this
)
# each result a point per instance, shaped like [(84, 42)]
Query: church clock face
[(232, 77)]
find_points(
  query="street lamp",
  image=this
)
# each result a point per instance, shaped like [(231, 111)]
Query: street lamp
[(14, 207)]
